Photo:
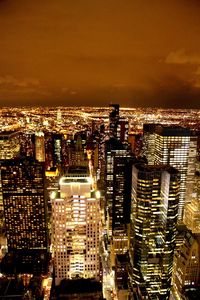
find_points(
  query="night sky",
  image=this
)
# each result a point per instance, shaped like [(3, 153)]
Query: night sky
[(94, 52)]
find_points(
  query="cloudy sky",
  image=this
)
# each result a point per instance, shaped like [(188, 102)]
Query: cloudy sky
[(93, 52)]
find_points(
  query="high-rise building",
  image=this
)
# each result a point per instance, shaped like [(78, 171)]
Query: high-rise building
[(27, 144), (149, 142), (113, 120), (186, 269), (76, 154), (192, 216), (118, 183), (192, 159), (75, 229), (25, 212), (39, 146), (122, 130), (57, 147), (175, 146), (155, 195), (192, 210), (120, 243), (118, 126), (9, 144), (59, 117), (9, 148)]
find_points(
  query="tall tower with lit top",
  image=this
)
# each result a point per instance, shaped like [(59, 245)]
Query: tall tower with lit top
[(76, 227)]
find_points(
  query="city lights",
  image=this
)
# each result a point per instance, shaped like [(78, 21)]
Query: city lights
[(101, 200)]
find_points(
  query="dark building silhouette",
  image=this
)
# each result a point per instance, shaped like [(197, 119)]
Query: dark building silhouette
[(113, 120), (78, 289), (118, 183)]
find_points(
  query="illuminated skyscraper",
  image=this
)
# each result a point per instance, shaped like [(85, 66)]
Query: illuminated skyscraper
[(25, 212), (192, 210), (75, 229), (57, 147), (9, 144), (59, 117), (155, 194), (174, 146), (192, 160), (9, 148), (39, 146), (149, 142), (186, 270), (192, 216)]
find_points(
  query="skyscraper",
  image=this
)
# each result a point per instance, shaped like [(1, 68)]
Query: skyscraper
[(9, 148), (39, 146), (175, 146), (155, 194), (118, 126), (9, 144), (149, 142), (186, 270), (122, 130), (57, 147), (25, 213), (192, 210), (118, 183), (113, 120), (76, 154), (75, 229)]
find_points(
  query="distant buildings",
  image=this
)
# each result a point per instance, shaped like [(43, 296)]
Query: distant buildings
[(110, 216), (113, 120), (76, 229), (40, 146), (118, 126)]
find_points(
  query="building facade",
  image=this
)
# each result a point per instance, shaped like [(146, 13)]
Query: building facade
[(40, 146), (118, 184), (174, 146), (9, 148), (9, 144), (186, 270), (155, 195), (25, 210), (192, 209), (76, 229)]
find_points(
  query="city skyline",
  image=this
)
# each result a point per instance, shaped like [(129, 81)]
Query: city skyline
[(104, 200), (93, 53)]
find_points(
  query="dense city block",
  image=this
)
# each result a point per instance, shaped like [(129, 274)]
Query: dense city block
[(99, 203)]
